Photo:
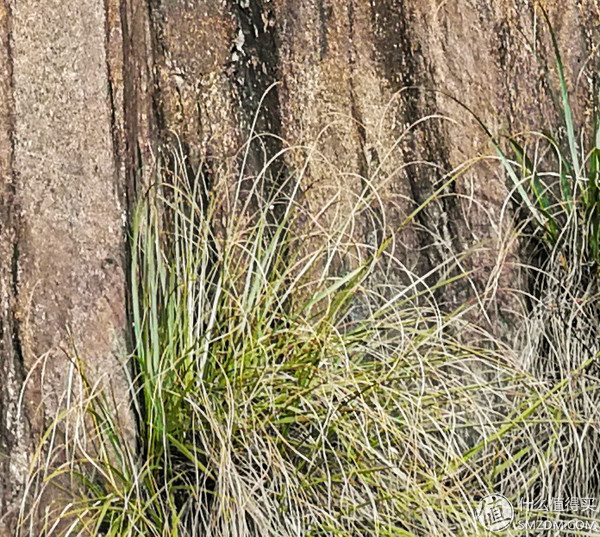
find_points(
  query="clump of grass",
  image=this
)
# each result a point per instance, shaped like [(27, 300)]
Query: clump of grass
[(557, 182), (287, 415), (276, 397)]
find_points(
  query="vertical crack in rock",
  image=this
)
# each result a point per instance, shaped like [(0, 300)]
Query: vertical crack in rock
[(130, 73), (113, 45), (374, 225), (404, 64), (159, 48), (14, 427), (325, 11), (255, 58), (139, 107)]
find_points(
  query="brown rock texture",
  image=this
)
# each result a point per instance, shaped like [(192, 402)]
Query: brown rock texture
[(90, 91), (62, 271)]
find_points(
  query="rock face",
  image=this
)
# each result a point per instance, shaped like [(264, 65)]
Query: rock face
[(90, 89), (63, 291)]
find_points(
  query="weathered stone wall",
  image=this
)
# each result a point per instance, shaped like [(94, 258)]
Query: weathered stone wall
[(62, 223), (355, 75), (89, 89)]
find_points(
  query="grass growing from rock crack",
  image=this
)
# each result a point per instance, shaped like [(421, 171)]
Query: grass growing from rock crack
[(279, 395), (556, 174)]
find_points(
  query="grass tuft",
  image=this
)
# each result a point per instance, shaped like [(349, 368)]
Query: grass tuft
[(285, 386)]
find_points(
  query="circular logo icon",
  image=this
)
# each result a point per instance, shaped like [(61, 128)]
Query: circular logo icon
[(495, 512)]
